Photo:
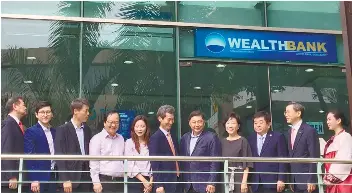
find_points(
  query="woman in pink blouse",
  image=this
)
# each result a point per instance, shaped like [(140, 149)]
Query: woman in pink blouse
[(338, 177), (139, 171)]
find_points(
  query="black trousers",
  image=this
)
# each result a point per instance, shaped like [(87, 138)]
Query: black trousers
[(191, 190), (261, 189), (111, 186), (6, 189), (82, 187), (136, 187)]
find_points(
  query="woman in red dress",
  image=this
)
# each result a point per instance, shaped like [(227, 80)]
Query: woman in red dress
[(338, 177)]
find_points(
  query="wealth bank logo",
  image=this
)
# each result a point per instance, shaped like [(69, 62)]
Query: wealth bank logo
[(241, 43), (215, 42)]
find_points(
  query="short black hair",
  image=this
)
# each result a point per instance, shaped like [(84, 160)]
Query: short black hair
[(196, 113), (42, 104), (264, 114), (78, 104), (110, 113), (11, 102), (234, 116)]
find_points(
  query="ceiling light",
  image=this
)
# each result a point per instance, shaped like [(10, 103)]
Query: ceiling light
[(128, 62), (221, 66), (31, 58), (248, 107), (309, 70), (27, 82), (276, 90), (150, 113), (197, 87), (343, 70), (114, 84), (321, 111)]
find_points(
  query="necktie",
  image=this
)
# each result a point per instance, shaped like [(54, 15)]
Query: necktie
[(169, 139), (293, 137), (261, 142), (21, 126)]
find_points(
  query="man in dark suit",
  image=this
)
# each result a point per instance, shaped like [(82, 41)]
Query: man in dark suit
[(267, 143), (162, 143), (73, 138), (199, 143), (12, 131), (303, 142), (39, 139)]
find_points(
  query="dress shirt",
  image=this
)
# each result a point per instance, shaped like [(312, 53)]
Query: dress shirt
[(137, 167), (16, 119), (49, 138), (260, 142), (193, 142), (102, 144), (294, 130), (80, 135)]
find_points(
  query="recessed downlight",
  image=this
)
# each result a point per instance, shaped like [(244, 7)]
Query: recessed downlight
[(276, 90), (128, 62), (197, 87), (31, 58), (114, 84), (27, 82), (248, 107), (309, 70), (150, 113), (221, 66), (321, 111)]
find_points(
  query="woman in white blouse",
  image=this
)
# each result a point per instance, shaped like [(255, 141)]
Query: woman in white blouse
[(139, 171)]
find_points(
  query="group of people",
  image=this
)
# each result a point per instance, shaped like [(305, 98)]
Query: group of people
[(75, 138)]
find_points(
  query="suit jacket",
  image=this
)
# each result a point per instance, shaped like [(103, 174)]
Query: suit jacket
[(11, 143), (208, 144), (159, 146), (306, 146), (66, 143), (35, 142), (274, 146)]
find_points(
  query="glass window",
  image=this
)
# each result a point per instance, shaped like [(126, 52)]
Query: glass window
[(222, 12), (304, 14), (217, 89), (51, 8), (186, 42), (128, 68), (134, 10), (318, 89), (40, 62)]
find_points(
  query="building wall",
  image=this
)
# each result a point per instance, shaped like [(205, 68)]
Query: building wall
[(138, 68)]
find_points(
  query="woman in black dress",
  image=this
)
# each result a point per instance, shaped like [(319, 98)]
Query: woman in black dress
[(236, 146)]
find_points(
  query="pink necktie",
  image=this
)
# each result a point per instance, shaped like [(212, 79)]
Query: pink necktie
[(169, 139), (293, 137)]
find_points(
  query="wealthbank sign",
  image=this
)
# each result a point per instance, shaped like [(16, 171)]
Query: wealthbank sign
[(265, 45)]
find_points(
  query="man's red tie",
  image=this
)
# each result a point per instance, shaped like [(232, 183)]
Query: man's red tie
[(21, 126)]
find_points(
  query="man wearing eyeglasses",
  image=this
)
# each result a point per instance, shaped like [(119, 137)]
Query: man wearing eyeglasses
[(39, 139)]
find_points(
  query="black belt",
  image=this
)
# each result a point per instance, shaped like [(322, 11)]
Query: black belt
[(111, 177)]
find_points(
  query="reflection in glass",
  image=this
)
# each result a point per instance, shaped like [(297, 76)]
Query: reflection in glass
[(247, 13), (304, 14), (318, 89), (218, 89), (128, 68), (135, 10), (40, 62), (52, 8)]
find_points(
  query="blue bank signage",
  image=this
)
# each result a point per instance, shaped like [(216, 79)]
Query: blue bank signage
[(265, 45)]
